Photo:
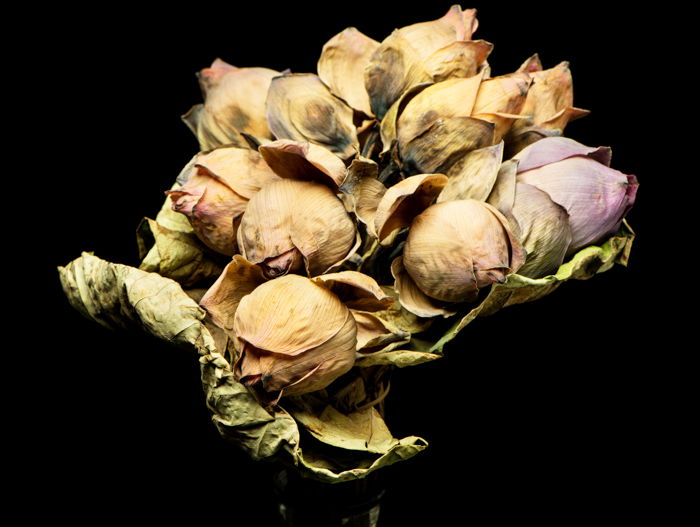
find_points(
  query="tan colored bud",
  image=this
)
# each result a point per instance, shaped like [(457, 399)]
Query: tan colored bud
[(456, 248), (294, 336), (216, 188), (290, 222), (234, 103)]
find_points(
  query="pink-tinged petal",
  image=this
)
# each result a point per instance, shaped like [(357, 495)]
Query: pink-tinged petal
[(210, 78), (595, 196), (552, 149)]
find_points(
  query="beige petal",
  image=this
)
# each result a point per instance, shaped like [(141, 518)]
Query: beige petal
[(404, 201), (373, 335), (412, 298), (387, 130), (501, 100), (531, 65), (550, 99), (234, 103), (427, 37), (242, 169), (395, 66), (342, 65), (221, 300), (502, 194), (546, 233), (444, 143), (304, 161), (363, 190), (450, 98), (473, 176), (458, 59), (300, 107), (289, 315), (356, 290)]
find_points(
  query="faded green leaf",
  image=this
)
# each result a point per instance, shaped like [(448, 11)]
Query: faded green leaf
[(120, 296), (398, 358), (518, 289)]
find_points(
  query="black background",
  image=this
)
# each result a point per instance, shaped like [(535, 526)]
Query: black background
[(554, 409)]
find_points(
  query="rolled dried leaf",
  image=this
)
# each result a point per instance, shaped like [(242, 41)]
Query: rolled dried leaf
[(445, 143), (118, 296), (404, 201), (545, 231), (302, 216), (301, 107), (304, 161), (473, 176), (459, 59), (342, 65), (234, 102)]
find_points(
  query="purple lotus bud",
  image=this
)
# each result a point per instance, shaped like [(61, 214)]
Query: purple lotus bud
[(595, 196)]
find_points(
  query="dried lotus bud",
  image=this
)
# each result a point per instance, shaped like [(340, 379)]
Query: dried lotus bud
[(294, 336), (234, 103), (216, 187), (545, 230), (405, 58), (296, 226), (595, 196), (456, 248)]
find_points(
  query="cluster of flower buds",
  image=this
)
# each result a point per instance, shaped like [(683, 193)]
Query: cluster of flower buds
[(399, 181)]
